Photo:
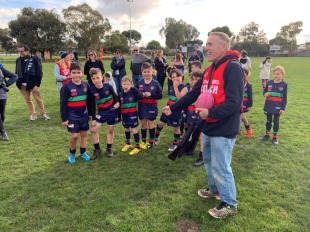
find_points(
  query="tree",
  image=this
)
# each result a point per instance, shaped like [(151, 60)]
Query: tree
[(85, 26), (153, 45), (41, 29), (6, 41), (135, 36), (224, 29), (287, 36), (178, 32), (114, 41)]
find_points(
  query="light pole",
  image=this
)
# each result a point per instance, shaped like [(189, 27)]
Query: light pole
[(129, 1)]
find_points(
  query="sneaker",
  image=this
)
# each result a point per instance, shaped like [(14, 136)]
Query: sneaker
[(157, 141), (198, 163), (172, 147), (275, 141), (126, 147), (222, 211), (71, 158), (266, 137), (249, 133), (149, 146), (240, 132), (134, 151), (206, 193), (85, 156), (4, 135), (143, 145), (33, 117), (109, 152), (96, 153), (46, 117)]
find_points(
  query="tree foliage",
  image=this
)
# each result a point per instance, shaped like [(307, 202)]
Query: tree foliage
[(114, 41), (153, 45), (178, 32), (85, 26), (135, 36), (6, 41), (41, 29)]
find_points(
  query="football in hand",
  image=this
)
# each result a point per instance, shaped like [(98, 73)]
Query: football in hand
[(205, 100)]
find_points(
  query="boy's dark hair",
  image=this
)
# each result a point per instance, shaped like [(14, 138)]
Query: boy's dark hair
[(75, 66), (146, 65), (176, 71), (196, 63), (25, 46), (94, 71), (195, 74)]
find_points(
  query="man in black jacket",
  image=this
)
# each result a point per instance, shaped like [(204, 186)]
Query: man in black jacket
[(29, 71), (224, 79)]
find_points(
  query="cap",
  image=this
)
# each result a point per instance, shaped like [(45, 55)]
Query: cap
[(118, 51)]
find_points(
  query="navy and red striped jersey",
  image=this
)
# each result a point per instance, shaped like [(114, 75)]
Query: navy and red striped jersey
[(147, 106), (173, 99), (247, 97), (277, 97), (74, 101)]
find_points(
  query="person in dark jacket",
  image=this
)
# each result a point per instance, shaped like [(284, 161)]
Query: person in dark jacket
[(160, 66), (118, 64), (224, 79), (29, 71), (4, 73), (92, 62)]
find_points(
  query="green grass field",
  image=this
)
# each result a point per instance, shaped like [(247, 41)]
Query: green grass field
[(40, 191)]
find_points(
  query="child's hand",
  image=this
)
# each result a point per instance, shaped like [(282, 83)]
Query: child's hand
[(93, 123), (249, 108), (266, 95), (166, 110), (146, 94), (65, 123), (116, 105), (282, 112), (176, 83)]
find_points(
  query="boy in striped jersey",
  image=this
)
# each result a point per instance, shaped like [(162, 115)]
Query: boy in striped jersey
[(276, 98), (128, 98), (177, 91), (74, 102), (105, 100)]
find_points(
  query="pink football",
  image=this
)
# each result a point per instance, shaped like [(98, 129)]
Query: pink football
[(205, 100)]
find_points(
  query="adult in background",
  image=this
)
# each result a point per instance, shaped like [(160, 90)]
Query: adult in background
[(29, 71), (62, 70), (224, 79), (137, 59), (245, 61), (4, 73), (118, 64), (92, 62), (192, 58), (199, 53), (160, 66)]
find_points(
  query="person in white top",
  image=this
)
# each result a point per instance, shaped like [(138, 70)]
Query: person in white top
[(265, 71)]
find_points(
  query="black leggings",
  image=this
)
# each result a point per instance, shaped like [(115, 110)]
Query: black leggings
[(2, 111), (276, 122)]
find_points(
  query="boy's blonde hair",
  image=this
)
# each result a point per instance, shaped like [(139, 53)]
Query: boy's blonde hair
[(94, 71), (127, 78), (196, 74), (279, 68)]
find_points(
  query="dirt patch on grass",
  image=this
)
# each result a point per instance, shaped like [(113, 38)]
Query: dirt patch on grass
[(187, 225)]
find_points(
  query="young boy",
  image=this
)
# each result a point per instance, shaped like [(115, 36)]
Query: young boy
[(129, 99), (177, 91), (276, 99), (247, 105), (147, 106), (105, 98), (168, 70), (74, 99)]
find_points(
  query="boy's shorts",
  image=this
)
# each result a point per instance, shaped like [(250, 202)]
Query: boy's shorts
[(77, 126), (174, 122), (148, 118), (130, 125), (111, 119)]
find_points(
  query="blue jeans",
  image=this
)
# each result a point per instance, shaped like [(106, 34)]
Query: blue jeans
[(118, 83), (217, 154), (136, 79)]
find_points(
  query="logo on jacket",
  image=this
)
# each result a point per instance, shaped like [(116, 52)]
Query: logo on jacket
[(152, 88), (97, 96), (107, 92), (130, 99)]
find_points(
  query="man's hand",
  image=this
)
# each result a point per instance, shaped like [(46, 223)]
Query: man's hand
[(166, 110), (203, 113)]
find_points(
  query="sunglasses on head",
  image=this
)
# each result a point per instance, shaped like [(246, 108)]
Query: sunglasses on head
[(135, 50)]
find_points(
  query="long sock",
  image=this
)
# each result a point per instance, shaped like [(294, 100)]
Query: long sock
[(97, 146), (143, 135), (158, 130), (127, 135), (109, 146), (152, 135), (82, 150), (268, 133), (137, 140), (275, 134), (200, 155), (72, 151), (176, 139)]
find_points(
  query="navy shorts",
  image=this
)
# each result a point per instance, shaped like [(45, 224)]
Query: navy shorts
[(111, 118), (130, 125), (75, 126), (174, 122)]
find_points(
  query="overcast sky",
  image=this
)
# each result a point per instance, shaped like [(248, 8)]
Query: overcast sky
[(148, 16)]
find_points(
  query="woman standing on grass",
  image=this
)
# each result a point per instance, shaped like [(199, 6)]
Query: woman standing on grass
[(62, 70), (92, 62), (3, 96)]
